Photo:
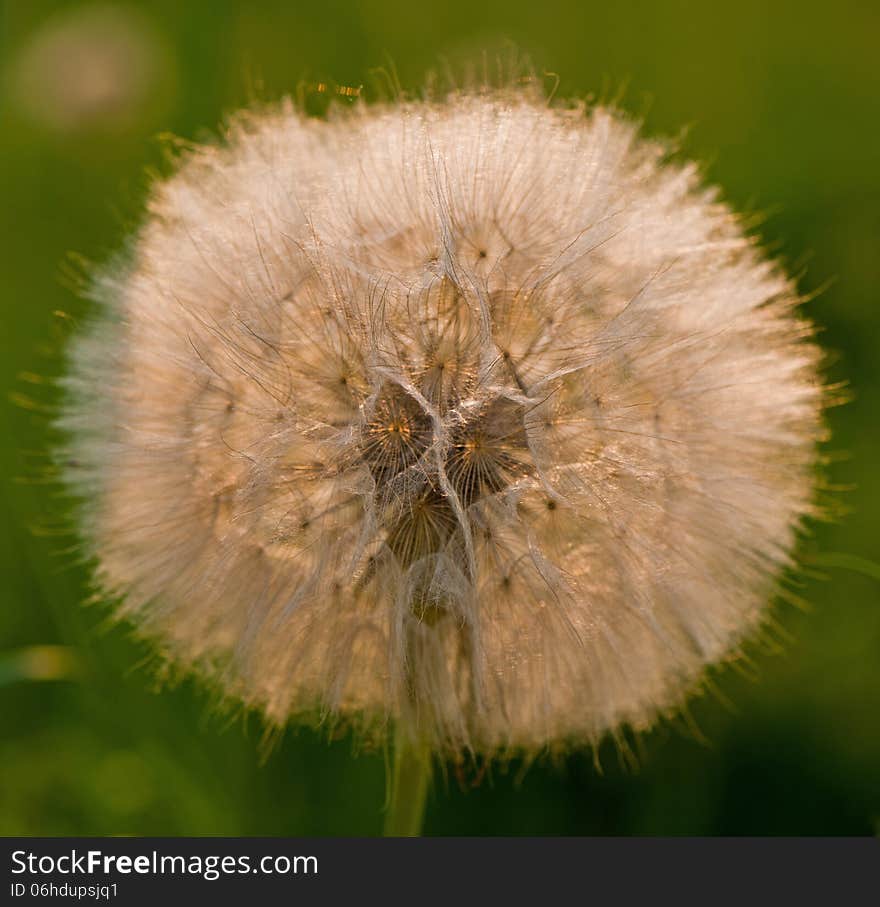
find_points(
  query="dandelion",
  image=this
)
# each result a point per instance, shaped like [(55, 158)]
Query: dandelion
[(478, 415), (92, 67)]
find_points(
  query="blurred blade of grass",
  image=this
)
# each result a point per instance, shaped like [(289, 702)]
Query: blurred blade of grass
[(39, 663), (844, 562)]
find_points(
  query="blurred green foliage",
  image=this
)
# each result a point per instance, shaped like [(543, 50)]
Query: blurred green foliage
[(781, 100)]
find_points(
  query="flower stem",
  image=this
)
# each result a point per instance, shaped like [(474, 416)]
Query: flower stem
[(409, 787)]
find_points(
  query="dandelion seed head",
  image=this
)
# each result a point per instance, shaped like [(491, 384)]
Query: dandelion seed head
[(96, 66), (477, 414)]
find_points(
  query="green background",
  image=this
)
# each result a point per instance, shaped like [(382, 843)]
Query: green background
[(780, 101)]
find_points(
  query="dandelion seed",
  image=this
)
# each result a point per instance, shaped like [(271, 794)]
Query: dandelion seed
[(479, 415)]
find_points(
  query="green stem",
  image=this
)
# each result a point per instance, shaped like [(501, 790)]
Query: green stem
[(409, 788)]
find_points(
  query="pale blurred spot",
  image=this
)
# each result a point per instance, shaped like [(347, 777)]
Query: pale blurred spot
[(38, 663), (95, 67)]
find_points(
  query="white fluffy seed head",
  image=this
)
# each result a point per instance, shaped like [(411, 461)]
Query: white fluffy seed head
[(479, 414)]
